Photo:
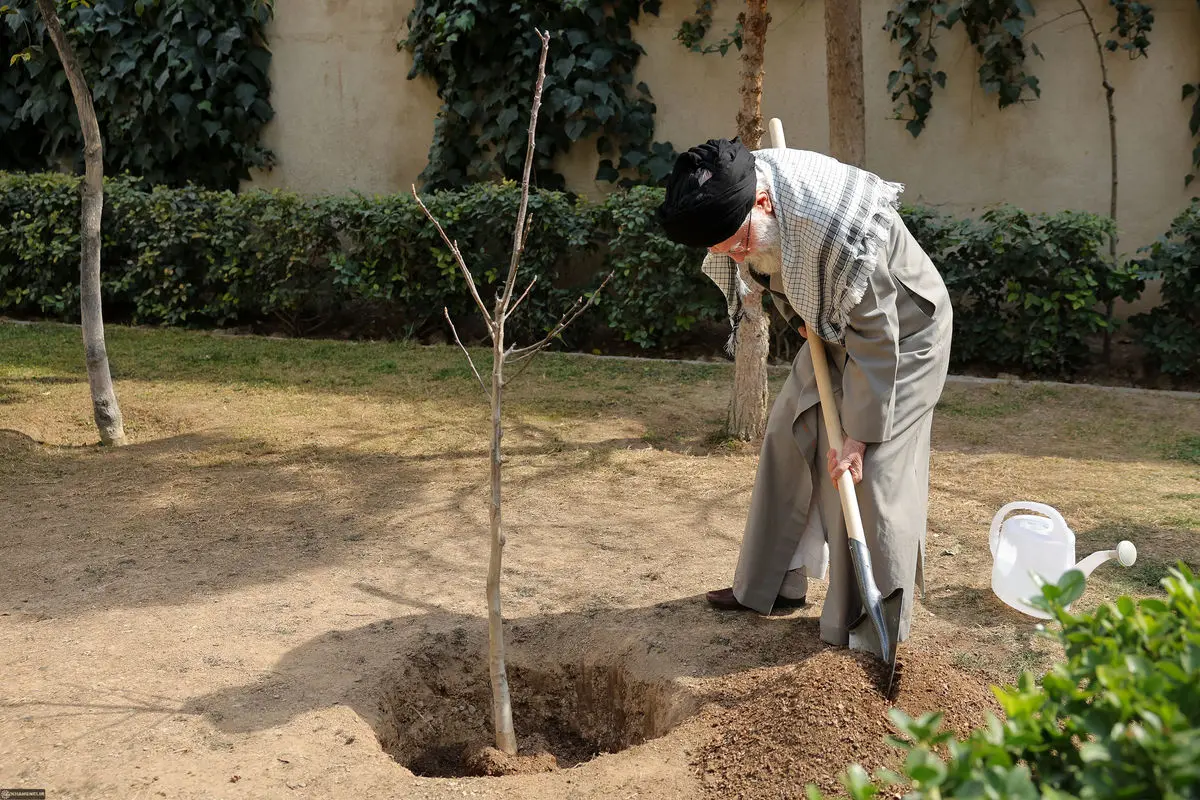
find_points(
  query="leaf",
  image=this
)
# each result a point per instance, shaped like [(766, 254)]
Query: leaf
[(203, 37), (226, 39), (1092, 752), (1015, 26), (246, 94), (507, 117), (858, 783), (925, 768), (574, 129), (258, 58), (606, 171), (564, 66), (600, 58), (576, 38)]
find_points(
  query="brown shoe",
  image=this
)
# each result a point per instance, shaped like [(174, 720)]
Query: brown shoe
[(724, 600)]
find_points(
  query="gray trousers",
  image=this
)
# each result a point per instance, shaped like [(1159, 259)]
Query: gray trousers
[(892, 497)]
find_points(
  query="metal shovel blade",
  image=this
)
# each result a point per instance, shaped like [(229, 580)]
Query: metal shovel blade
[(877, 629)]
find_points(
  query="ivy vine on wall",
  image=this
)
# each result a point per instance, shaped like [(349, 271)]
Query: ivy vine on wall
[(482, 54), (692, 32), (995, 28), (180, 88)]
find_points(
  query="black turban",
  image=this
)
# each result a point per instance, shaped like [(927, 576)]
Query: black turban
[(709, 193)]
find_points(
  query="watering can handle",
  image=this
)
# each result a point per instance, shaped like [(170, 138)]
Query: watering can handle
[(1026, 505)]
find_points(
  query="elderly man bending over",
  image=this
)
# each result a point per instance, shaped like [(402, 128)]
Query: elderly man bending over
[(825, 239)]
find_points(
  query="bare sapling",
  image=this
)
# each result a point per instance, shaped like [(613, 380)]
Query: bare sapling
[(504, 308)]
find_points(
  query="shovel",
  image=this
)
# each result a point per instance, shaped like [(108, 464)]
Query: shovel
[(877, 629)]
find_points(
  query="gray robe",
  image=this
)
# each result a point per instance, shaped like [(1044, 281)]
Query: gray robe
[(887, 378)]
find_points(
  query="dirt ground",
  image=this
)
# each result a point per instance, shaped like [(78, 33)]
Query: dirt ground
[(277, 589)]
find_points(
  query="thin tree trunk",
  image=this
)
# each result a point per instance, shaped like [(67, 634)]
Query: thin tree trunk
[(104, 400), (748, 409), (844, 62), (754, 42), (748, 406), (502, 722), (1112, 149)]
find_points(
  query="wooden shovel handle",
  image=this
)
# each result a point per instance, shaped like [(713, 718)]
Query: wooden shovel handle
[(833, 424)]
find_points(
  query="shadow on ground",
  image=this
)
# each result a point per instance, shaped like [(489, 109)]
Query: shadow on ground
[(661, 643)]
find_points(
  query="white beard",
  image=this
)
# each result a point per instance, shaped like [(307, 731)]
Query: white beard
[(767, 258)]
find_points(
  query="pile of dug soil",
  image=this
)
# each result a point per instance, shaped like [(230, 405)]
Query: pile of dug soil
[(784, 727)]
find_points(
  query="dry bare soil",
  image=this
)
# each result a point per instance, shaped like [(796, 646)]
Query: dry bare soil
[(277, 589)]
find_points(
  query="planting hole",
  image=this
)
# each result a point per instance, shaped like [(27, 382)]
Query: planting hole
[(436, 714)]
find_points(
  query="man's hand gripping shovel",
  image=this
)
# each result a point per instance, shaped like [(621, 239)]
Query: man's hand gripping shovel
[(877, 629)]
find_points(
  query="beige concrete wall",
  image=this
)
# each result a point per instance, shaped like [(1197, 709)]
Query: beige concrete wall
[(345, 117), (348, 119)]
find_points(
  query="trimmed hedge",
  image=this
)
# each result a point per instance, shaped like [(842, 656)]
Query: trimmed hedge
[(1171, 331), (348, 265), (1026, 288)]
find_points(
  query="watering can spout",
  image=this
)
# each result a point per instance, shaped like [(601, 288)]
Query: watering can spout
[(1125, 554)]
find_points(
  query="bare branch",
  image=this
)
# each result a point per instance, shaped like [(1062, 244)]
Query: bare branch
[(454, 330), (519, 230), (524, 294), (522, 353), (1050, 21), (461, 264)]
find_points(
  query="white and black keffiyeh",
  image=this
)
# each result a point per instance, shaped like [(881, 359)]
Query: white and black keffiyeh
[(833, 218)]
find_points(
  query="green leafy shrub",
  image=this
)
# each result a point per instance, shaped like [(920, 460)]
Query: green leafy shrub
[(1120, 717), (180, 87), (1171, 331), (1027, 289), (658, 295), (341, 265)]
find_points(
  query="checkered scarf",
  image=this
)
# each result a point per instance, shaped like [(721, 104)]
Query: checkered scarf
[(832, 220)]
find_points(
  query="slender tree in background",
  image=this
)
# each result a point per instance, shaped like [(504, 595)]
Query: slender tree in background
[(104, 400), (748, 407), (844, 69)]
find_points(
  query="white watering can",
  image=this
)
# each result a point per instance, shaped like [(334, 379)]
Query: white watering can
[(1042, 544)]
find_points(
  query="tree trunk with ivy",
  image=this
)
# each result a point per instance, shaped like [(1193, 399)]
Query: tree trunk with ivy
[(1112, 152), (104, 400), (844, 65), (748, 407)]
